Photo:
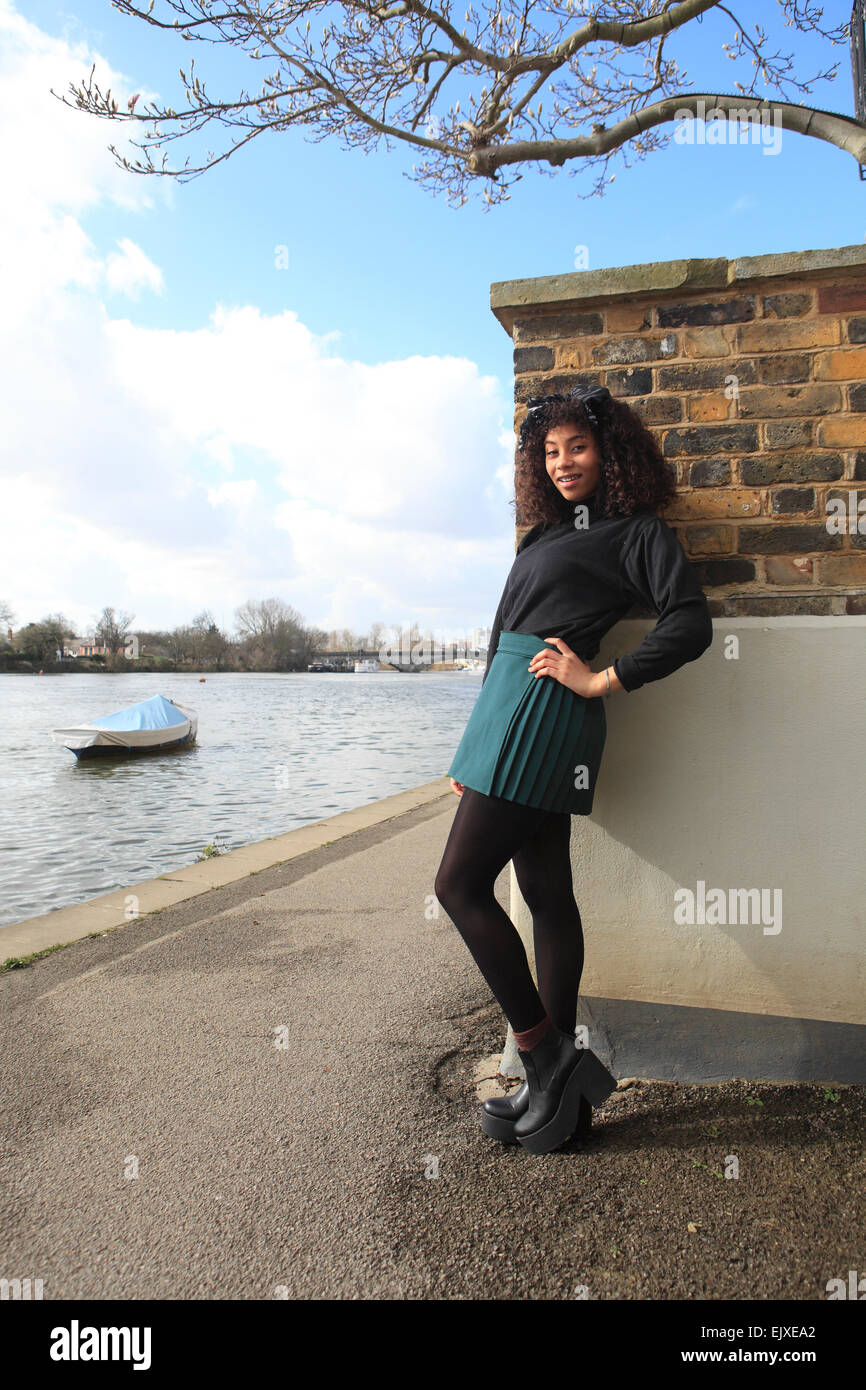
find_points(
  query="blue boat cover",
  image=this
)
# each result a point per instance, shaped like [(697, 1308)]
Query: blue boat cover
[(155, 713)]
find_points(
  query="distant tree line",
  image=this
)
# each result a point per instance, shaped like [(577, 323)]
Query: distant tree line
[(269, 635)]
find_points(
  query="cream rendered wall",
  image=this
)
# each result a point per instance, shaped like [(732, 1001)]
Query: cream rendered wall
[(745, 771)]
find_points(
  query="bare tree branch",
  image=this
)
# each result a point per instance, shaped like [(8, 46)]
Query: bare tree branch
[(558, 85)]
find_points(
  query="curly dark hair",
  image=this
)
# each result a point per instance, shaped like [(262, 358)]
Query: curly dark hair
[(634, 474)]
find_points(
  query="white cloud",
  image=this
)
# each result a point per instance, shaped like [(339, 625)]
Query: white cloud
[(162, 471), (130, 270), (398, 444), (56, 167), (364, 569)]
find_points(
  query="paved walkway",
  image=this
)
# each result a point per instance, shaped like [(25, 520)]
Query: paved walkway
[(158, 1144)]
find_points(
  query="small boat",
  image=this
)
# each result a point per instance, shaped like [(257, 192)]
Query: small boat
[(151, 726), (362, 667)]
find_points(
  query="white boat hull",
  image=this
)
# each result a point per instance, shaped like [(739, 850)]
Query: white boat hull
[(90, 740)]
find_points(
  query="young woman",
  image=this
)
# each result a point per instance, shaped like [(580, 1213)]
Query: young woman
[(588, 480)]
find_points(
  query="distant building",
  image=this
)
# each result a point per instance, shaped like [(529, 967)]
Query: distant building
[(89, 646), (83, 646)]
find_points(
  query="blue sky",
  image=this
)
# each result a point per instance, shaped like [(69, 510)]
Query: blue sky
[(161, 454)]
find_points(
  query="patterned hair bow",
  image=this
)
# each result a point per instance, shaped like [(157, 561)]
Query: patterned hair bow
[(591, 398)]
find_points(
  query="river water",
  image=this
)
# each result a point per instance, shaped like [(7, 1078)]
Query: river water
[(273, 752)]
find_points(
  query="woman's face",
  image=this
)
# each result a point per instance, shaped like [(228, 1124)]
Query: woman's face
[(572, 460)]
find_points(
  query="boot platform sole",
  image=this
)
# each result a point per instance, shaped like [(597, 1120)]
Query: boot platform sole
[(498, 1128), (503, 1130)]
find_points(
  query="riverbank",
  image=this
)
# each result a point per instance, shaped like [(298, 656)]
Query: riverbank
[(35, 937), (273, 754), (82, 669), (270, 1087)]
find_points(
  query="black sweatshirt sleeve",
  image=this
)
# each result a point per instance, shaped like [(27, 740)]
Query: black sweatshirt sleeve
[(526, 540), (494, 638), (656, 569)]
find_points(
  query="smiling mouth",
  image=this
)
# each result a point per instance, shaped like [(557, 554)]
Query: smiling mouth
[(569, 478)]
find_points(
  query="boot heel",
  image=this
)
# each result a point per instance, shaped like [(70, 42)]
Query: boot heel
[(584, 1120), (594, 1079)]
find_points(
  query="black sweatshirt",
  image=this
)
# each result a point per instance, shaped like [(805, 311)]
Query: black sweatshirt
[(577, 582)]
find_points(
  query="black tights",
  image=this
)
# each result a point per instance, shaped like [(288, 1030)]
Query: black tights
[(487, 832)]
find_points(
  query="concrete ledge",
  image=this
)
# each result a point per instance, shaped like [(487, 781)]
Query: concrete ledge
[(796, 262), (581, 289), (123, 905)]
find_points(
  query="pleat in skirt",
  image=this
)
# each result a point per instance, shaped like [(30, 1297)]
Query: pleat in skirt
[(529, 738)]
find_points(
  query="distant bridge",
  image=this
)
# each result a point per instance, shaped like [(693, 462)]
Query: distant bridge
[(345, 660)]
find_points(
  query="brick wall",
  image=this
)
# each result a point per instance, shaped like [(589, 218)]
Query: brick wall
[(752, 375)]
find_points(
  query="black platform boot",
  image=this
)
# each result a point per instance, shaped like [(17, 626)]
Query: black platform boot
[(499, 1114), (559, 1076)]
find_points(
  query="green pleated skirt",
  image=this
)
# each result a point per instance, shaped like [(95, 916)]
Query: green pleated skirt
[(529, 738)]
